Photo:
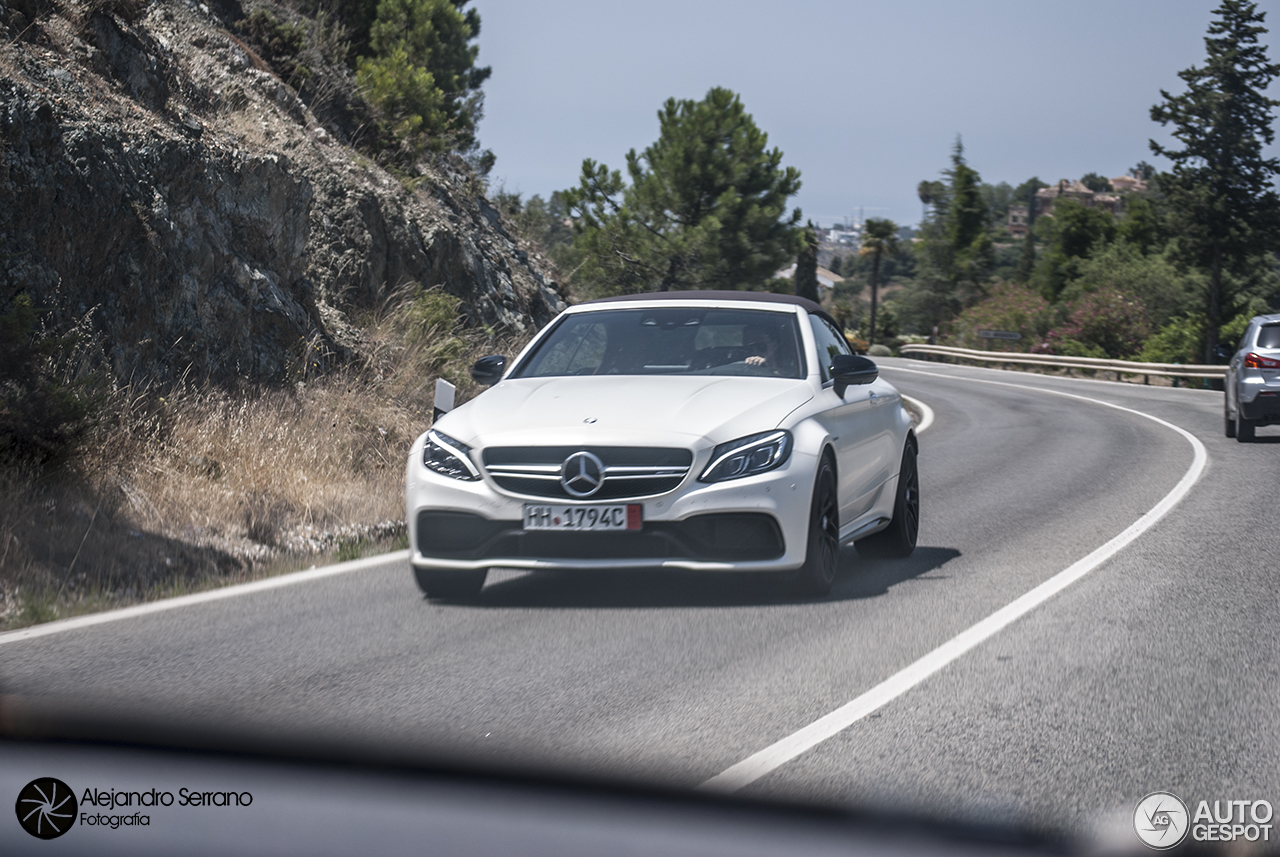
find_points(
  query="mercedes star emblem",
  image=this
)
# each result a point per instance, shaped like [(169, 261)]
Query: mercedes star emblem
[(582, 474)]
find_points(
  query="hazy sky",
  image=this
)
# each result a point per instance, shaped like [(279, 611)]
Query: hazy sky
[(864, 98)]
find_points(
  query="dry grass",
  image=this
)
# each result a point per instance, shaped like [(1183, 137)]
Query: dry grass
[(204, 485)]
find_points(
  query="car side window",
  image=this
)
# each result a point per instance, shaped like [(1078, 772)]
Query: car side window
[(829, 343)]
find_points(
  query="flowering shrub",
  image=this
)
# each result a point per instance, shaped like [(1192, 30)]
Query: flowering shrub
[(1008, 306), (1105, 323), (856, 343)]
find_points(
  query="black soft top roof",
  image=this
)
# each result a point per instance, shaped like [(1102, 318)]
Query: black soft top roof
[(723, 295)]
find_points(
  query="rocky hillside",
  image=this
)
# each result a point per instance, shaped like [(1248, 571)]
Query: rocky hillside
[(158, 177)]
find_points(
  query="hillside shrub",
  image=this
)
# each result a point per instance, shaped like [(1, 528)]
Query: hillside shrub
[(1008, 306), (44, 407), (277, 42), (1105, 323), (1179, 341)]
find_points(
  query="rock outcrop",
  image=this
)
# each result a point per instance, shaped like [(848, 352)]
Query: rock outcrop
[(157, 177)]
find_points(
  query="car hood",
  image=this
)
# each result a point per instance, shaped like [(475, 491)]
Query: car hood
[(624, 410)]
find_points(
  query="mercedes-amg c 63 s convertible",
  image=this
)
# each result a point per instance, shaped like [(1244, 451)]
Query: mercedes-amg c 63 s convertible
[(708, 431)]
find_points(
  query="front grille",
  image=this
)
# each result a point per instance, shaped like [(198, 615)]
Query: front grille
[(714, 537), (630, 472)]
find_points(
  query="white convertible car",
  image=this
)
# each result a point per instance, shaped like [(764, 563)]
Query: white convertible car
[(709, 431)]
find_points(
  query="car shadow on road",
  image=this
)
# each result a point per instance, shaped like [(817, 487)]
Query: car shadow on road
[(867, 578), (857, 578)]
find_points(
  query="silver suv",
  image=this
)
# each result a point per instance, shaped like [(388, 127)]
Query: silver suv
[(1253, 379)]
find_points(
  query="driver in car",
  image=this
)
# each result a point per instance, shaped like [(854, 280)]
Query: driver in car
[(759, 341)]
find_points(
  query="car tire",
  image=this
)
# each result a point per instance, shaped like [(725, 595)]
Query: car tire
[(899, 538), (1228, 425), (1244, 428), (450, 584), (822, 553)]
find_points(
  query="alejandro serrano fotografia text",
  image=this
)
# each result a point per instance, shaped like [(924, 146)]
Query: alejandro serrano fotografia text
[(112, 799)]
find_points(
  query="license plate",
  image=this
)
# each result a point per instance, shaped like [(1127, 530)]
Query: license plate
[(583, 518)]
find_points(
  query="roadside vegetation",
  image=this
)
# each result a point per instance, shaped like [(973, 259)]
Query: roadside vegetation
[(137, 494), (113, 491), (1160, 267), (399, 77)]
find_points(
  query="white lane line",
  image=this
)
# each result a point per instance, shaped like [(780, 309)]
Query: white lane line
[(774, 756), (199, 598), (926, 412)]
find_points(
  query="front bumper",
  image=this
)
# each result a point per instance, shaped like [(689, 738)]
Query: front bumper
[(759, 523), (714, 538)]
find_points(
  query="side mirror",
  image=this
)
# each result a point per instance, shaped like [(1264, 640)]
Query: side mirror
[(849, 370), (489, 370), (1224, 353)]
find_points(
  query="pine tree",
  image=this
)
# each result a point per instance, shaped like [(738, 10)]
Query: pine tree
[(421, 73), (705, 207), (966, 222), (807, 265), (1220, 192)]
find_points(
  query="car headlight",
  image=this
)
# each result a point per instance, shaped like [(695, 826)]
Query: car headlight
[(448, 457), (748, 456)]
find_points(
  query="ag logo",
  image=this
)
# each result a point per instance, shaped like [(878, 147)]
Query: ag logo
[(46, 808), (1161, 820)]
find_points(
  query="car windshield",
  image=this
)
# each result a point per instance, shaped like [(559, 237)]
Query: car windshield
[(1269, 336), (669, 341)]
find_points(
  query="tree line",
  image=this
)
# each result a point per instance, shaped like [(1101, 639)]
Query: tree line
[(1164, 272)]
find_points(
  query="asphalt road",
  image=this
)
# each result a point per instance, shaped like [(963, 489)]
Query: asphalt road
[(1158, 670)]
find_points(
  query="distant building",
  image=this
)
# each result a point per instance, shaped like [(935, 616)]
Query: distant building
[(1047, 197), (843, 236), (1017, 220), (826, 279), (1128, 184)]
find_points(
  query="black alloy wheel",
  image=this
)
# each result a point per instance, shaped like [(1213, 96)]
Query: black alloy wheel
[(823, 550), (899, 538), (450, 584)]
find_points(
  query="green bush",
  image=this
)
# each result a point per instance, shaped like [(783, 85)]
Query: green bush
[(1153, 280), (1182, 339), (278, 43), (405, 95), (44, 408), (1229, 334), (1179, 341), (430, 325)]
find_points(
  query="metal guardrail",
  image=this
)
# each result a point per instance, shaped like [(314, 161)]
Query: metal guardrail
[(1120, 367)]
